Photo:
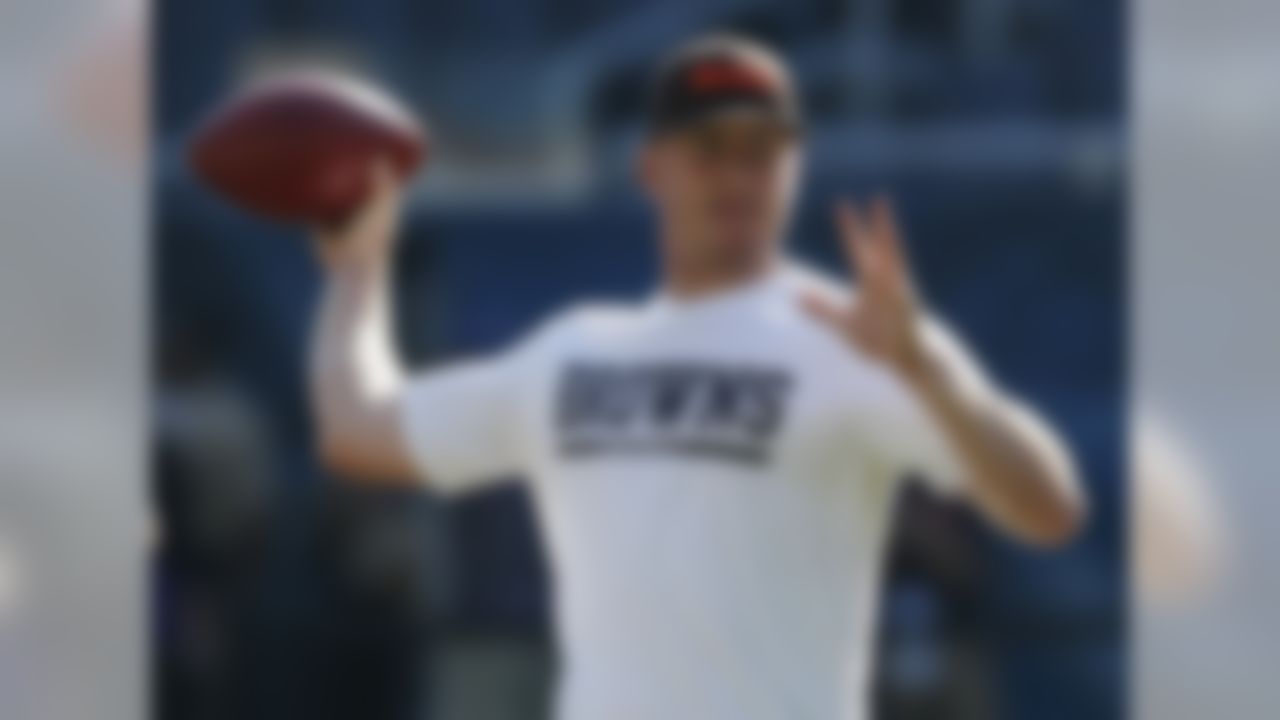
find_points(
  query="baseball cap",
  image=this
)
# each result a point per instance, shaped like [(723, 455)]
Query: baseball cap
[(721, 73)]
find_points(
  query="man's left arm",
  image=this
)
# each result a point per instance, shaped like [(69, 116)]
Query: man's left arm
[(1017, 470)]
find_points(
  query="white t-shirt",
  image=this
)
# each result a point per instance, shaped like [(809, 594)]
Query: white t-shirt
[(714, 483)]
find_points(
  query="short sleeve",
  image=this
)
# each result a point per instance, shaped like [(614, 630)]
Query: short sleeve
[(467, 425), (462, 425), (905, 436), (909, 442)]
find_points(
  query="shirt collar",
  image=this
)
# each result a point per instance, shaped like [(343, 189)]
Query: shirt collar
[(766, 285)]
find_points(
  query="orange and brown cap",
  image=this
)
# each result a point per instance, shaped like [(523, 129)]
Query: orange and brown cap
[(717, 74)]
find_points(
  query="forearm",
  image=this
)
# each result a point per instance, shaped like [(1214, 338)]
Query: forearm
[(1018, 471), (356, 375)]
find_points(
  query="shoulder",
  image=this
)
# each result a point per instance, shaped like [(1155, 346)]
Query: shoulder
[(805, 277)]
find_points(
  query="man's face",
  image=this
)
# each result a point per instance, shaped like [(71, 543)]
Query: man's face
[(723, 187)]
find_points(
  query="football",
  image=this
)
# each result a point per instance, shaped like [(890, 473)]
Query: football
[(299, 147)]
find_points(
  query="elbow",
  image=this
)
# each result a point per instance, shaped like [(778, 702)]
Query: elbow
[(334, 456), (1062, 507), (1061, 520), (1059, 527), (364, 447), (357, 459), (340, 457)]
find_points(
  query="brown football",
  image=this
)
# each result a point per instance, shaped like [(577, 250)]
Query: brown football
[(299, 147)]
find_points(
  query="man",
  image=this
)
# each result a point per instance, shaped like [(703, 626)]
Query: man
[(713, 469)]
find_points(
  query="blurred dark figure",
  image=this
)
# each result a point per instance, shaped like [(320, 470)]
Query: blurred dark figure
[(359, 637), (368, 650), (934, 662), (211, 477)]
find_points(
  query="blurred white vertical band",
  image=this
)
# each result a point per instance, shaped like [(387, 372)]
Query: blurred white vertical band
[(1206, 358), (72, 332)]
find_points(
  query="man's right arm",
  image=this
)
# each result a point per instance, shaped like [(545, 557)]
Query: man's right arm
[(356, 378)]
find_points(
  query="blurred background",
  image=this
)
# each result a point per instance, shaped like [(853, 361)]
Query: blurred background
[(278, 593)]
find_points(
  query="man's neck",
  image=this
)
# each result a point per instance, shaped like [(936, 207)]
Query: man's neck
[(689, 281)]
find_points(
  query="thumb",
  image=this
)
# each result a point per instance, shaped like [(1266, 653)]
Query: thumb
[(379, 203), (823, 309)]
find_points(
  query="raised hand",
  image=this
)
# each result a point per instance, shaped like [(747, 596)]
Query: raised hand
[(368, 235), (883, 320)]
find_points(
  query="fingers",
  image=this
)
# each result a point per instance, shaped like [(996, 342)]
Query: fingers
[(853, 235), (368, 231), (848, 321), (872, 241), (384, 184), (885, 230), (384, 192), (382, 198), (823, 309)]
